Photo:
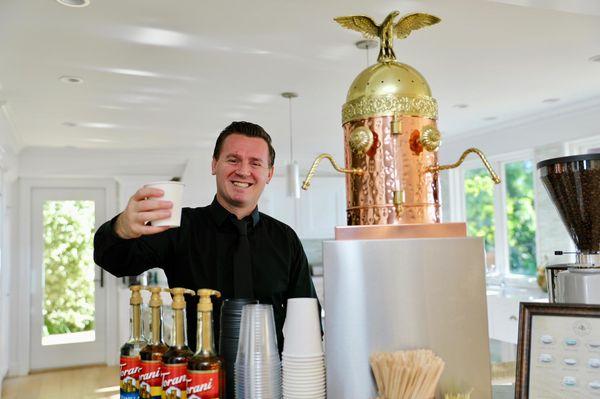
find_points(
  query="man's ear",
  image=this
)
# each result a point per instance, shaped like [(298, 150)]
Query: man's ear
[(213, 167), (271, 172)]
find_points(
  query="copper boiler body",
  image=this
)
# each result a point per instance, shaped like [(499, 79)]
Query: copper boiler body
[(394, 187), (393, 100)]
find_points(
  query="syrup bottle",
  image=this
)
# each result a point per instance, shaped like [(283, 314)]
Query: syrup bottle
[(151, 354), (131, 363), (175, 360), (206, 371)]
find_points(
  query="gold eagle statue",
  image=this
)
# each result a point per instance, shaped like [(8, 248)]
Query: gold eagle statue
[(387, 30)]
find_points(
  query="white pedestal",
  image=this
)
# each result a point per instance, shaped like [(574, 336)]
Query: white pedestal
[(399, 294)]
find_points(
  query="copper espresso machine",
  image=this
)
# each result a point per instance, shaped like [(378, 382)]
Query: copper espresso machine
[(386, 286), (390, 135)]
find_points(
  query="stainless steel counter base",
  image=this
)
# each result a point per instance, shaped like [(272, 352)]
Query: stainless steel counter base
[(396, 294)]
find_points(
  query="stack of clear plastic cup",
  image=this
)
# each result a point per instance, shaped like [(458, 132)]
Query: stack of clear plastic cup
[(303, 358), (257, 366), (231, 319)]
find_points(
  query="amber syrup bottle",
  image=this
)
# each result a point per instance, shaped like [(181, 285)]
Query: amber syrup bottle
[(151, 354), (206, 371), (175, 360), (131, 363)]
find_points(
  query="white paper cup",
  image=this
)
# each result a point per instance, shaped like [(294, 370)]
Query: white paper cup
[(173, 191), (302, 329)]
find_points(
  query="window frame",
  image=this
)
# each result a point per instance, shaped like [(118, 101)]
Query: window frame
[(503, 275)]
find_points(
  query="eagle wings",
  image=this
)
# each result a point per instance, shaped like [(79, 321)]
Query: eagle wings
[(402, 29)]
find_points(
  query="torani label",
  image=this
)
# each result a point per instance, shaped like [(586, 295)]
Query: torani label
[(174, 382), (130, 373), (151, 380), (203, 384)]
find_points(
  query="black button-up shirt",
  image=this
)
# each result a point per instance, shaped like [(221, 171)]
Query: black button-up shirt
[(199, 253)]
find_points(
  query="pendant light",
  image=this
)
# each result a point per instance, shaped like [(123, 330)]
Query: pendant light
[(292, 169), (366, 45)]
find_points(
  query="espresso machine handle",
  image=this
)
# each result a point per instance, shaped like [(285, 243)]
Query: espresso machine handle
[(313, 169), (493, 175)]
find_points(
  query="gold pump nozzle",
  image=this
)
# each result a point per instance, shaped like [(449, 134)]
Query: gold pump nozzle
[(155, 299), (493, 175), (136, 296), (315, 164), (205, 303), (178, 300)]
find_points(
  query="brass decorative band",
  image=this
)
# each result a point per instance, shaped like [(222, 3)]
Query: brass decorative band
[(389, 104)]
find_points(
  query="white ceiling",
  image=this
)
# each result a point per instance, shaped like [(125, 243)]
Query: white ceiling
[(172, 74)]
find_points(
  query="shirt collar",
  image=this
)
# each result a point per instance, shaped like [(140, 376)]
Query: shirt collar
[(221, 214)]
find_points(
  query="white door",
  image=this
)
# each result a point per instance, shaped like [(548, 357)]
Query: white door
[(68, 298)]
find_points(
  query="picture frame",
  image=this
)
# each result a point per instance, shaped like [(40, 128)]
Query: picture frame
[(558, 351)]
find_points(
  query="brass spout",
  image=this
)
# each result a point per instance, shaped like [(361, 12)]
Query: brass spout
[(315, 164), (493, 175)]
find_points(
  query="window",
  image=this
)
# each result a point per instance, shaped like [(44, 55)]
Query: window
[(504, 214), (479, 205), (68, 305), (520, 217)]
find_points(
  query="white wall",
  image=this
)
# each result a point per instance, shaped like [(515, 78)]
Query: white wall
[(8, 232)]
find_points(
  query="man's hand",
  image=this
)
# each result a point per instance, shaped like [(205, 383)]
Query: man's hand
[(142, 208)]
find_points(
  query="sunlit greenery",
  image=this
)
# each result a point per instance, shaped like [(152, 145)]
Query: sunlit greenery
[(521, 217), (68, 267), (479, 197), (520, 213)]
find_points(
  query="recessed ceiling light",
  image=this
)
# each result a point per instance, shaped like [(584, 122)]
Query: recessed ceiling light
[(74, 3), (71, 79), (69, 124), (595, 58), (551, 100), (490, 118), (462, 106)]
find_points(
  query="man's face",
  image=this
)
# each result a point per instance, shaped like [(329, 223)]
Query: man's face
[(242, 170)]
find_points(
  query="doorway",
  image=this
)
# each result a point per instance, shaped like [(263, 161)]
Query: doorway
[(68, 308)]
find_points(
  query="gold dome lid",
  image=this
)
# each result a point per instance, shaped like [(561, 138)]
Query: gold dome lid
[(389, 78), (389, 88)]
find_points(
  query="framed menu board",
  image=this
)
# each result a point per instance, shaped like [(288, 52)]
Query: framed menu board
[(558, 353)]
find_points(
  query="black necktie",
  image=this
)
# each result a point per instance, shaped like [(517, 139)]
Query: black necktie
[(242, 268)]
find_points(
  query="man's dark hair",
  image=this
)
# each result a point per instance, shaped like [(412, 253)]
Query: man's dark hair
[(246, 129)]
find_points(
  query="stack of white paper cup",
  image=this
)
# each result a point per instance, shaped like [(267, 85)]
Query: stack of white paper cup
[(303, 358), (173, 191), (257, 365)]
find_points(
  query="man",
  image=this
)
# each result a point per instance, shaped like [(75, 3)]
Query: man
[(228, 246)]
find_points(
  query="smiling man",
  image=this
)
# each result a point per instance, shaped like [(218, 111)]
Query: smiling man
[(229, 245)]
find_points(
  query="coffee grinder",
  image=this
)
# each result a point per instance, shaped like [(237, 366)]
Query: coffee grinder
[(573, 184)]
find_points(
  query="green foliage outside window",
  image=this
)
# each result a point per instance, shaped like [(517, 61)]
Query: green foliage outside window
[(521, 217), (68, 267), (479, 197), (520, 213)]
